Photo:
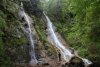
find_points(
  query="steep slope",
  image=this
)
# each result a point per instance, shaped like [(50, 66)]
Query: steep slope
[(11, 35)]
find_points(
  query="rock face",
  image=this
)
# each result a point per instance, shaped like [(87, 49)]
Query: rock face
[(32, 7), (23, 54)]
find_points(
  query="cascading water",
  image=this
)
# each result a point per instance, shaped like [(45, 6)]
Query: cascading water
[(30, 34), (86, 62), (66, 53)]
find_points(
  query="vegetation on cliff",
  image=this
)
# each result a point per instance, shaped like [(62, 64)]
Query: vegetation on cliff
[(78, 21), (11, 36)]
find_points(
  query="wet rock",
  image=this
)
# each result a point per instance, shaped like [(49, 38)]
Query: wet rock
[(26, 25), (63, 66), (46, 64), (76, 62), (23, 19), (95, 64)]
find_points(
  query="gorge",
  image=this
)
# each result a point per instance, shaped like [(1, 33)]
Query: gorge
[(36, 33)]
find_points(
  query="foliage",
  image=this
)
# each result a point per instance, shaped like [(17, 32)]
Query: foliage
[(9, 40)]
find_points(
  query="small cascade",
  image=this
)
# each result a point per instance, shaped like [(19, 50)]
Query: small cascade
[(86, 62), (65, 52), (28, 28)]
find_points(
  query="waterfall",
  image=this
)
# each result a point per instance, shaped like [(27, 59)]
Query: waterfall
[(65, 52), (30, 33)]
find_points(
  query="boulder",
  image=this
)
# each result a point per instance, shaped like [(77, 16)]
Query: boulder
[(76, 62)]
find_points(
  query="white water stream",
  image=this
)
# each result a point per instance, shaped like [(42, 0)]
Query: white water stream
[(30, 34), (67, 55)]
